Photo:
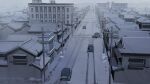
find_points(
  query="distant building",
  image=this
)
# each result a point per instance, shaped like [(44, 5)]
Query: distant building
[(129, 18), (51, 12), (103, 5), (119, 6)]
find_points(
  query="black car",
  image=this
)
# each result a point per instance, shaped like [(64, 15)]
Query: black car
[(66, 74), (84, 27), (96, 35), (90, 48)]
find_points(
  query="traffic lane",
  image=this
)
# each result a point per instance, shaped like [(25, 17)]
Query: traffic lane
[(62, 63), (91, 69), (79, 69), (100, 63), (75, 53), (69, 49), (88, 21)]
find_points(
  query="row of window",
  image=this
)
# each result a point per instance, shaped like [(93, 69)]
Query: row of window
[(49, 16), (48, 9), (54, 21)]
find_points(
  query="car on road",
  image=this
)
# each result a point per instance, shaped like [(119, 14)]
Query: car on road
[(84, 27), (66, 74), (96, 35), (90, 48)]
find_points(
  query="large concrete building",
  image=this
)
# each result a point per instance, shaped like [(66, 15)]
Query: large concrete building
[(50, 12)]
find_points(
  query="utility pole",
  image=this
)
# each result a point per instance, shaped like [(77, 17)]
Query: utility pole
[(111, 53), (43, 54)]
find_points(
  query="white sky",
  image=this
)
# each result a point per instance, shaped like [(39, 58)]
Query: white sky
[(20, 4)]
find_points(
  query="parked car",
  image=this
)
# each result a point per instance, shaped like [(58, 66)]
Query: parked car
[(90, 48), (66, 74), (96, 35), (84, 27)]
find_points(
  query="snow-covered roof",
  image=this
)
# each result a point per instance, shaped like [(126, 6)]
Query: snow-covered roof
[(134, 34), (16, 25), (121, 23), (7, 19), (7, 46), (129, 16), (135, 45), (5, 31), (39, 61), (57, 45), (14, 16), (30, 46), (21, 37), (48, 27), (143, 20), (20, 17)]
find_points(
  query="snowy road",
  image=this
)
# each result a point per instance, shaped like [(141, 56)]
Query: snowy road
[(75, 55)]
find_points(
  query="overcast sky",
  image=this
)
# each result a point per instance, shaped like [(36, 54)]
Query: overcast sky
[(7, 5)]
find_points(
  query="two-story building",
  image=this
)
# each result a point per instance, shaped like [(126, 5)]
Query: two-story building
[(133, 52), (51, 12)]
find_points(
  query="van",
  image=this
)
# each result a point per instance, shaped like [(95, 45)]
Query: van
[(66, 74)]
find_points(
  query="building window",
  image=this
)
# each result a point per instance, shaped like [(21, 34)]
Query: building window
[(41, 9), (54, 9), (67, 21), (45, 15), (58, 9), (49, 9), (146, 26), (20, 60), (41, 15), (50, 20), (54, 21), (54, 16), (36, 9), (32, 15), (58, 16), (63, 16), (50, 16), (45, 9), (37, 16), (67, 16), (67, 9), (63, 9), (31, 9), (135, 63)]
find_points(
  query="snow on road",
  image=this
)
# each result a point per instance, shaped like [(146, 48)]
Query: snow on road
[(75, 55)]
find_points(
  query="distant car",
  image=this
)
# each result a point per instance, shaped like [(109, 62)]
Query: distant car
[(84, 27), (90, 48), (96, 35), (66, 74)]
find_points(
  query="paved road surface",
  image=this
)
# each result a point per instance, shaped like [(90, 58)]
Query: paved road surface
[(75, 55)]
